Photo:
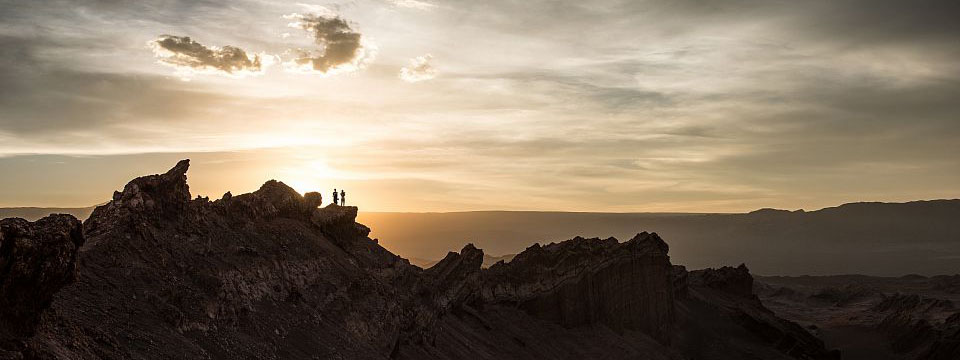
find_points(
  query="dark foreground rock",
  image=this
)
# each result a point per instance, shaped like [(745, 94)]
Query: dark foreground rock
[(36, 260), (270, 275)]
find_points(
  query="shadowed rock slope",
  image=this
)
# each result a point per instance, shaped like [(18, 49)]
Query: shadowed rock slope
[(36, 260), (269, 275)]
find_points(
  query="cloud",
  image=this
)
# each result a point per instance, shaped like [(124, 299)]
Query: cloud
[(190, 57), (343, 49), (420, 69), (413, 4)]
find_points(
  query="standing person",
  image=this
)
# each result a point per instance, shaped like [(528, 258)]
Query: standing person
[(343, 197), (335, 200)]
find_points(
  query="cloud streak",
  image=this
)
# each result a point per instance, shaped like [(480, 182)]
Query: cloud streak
[(190, 57)]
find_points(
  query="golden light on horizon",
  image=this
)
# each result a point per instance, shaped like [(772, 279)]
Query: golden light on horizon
[(722, 112), (311, 175)]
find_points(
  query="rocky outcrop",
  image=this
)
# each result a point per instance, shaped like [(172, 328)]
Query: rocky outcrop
[(164, 276), (719, 304), (270, 275), (624, 286), (151, 197), (36, 260), (736, 281)]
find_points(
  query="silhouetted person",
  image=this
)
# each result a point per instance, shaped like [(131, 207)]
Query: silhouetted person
[(335, 199), (343, 197)]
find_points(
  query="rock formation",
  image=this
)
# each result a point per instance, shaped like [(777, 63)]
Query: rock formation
[(270, 275), (36, 260)]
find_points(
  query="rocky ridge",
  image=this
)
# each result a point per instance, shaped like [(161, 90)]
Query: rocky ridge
[(271, 275)]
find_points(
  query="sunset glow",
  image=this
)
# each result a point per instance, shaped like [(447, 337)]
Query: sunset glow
[(437, 105)]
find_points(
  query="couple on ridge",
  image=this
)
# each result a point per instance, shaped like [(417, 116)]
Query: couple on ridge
[(342, 200)]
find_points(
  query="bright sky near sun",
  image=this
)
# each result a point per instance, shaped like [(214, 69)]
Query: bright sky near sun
[(432, 105)]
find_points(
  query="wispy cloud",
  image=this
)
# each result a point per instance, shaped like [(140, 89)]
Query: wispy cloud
[(420, 69)]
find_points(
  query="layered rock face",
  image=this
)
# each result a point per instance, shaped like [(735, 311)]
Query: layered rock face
[(36, 260), (269, 275), (624, 286)]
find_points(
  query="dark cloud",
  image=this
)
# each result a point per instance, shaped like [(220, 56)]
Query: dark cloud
[(186, 54), (343, 49)]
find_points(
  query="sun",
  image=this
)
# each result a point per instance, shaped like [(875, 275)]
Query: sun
[(309, 175)]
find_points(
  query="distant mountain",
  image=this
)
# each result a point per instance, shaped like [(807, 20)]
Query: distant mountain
[(873, 238)]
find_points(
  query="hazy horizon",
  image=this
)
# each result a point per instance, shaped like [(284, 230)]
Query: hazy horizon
[(326, 200)]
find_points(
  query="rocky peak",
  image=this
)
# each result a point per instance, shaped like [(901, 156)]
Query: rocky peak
[(274, 198), (731, 280), (339, 222), (645, 242), (453, 279), (163, 191), (153, 197), (625, 286)]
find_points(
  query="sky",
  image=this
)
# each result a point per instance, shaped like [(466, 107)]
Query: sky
[(442, 105)]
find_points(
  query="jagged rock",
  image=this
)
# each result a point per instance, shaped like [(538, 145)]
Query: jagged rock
[(454, 279), (625, 286), (273, 199), (732, 280), (36, 260), (339, 222), (147, 197)]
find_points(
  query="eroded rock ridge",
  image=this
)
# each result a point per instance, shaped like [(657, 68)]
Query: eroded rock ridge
[(271, 275)]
